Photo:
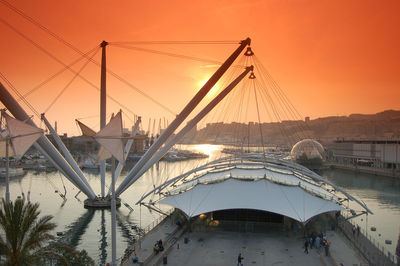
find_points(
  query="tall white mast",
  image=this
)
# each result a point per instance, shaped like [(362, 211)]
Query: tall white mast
[(7, 173), (174, 139), (181, 117), (103, 105), (44, 145)]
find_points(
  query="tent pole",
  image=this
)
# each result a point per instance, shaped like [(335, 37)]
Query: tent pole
[(43, 144), (181, 116), (113, 216), (7, 173), (173, 140), (103, 98), (65, 151)]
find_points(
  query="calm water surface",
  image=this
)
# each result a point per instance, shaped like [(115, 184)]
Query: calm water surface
[(91, 230), (382, 196)]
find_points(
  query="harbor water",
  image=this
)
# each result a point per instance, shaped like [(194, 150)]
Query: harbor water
[(91, 229), (382, 195)]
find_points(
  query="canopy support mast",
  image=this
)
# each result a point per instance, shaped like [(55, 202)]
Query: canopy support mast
[(103, 105), (182, 116), (43, 144), (65, 151), (191, 124), (113, 216), (126, 150), (7, 173)]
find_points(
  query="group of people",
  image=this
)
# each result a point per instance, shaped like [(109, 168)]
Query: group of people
[(158, 246), (317, 241)]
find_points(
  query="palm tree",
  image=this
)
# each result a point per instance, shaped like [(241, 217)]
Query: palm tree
[(25, 234)]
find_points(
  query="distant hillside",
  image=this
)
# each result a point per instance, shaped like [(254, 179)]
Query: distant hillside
[(382, 125)]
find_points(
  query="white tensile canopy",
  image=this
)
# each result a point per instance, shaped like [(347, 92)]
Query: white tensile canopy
[(21, 134), (110, 137), (261, 194)]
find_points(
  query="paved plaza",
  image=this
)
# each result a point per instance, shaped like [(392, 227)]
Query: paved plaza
[(222, 248)]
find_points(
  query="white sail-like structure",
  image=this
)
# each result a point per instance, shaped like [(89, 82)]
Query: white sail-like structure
[(259, 194), (3, 144), (110, 137), (103, 154), (21, 135), (254, 183), (86, 131)]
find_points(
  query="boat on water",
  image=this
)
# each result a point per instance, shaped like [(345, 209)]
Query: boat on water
[(174, 155), (181, 155), (39, 168), (91, 164), (12, 172)]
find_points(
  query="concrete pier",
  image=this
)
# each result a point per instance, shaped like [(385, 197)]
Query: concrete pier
[(365, 169)]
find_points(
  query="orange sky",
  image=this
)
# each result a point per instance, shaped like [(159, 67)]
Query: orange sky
[(330, 57)]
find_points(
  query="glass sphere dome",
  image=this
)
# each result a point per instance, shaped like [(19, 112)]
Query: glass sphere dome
[(309, 148)]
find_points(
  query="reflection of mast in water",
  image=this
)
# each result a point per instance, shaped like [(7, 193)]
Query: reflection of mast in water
[(103, 239), (125, 225), (77, 229)]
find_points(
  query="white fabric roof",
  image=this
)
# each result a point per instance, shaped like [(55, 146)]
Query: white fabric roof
[(22, 136), (110, 137), (273, 174), (290, 201)]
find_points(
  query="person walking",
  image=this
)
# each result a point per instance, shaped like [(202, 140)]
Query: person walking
[(306, 246), (240, 258), (318, 242), (327, 248)]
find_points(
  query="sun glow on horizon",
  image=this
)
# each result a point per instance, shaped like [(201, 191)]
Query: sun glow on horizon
[(207, 149), (214, 90)]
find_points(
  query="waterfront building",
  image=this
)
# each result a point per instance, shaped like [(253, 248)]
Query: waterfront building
[(372, 153)]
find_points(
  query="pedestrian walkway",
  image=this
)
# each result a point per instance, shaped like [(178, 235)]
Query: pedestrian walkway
[(167, 231), (222, 248)]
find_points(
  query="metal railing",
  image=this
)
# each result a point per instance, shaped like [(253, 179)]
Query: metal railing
[(372, 250), (156, 222)]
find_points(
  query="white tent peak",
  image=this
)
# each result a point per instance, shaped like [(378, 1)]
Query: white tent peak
[(110, 137), (22, 136), (86, 131)]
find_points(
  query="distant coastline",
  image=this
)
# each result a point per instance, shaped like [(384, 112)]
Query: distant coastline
[(383, 126)]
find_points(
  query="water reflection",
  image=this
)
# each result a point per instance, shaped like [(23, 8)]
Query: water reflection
[(103, 239), (382, 196), (126, 225), (77, 229), (385, 190), (207, 149), (379, 193)]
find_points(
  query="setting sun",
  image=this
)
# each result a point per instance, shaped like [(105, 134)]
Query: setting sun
[(207, 149), (214, 90)]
